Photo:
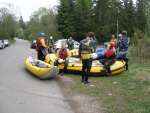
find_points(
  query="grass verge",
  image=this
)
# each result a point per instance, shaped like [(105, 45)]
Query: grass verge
[(128, 92)]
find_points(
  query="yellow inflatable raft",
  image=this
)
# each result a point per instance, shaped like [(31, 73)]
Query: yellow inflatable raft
[(74, 53), (97, 69), (40, 68)]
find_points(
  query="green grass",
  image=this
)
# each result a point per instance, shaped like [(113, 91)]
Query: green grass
[(128, 92), (12, 41)]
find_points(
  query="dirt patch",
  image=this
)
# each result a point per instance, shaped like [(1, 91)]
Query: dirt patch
[(79, 103)]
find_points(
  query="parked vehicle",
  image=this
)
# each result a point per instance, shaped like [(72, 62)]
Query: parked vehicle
[(2, 45), (33, 44), (58, 43), (6, 42)]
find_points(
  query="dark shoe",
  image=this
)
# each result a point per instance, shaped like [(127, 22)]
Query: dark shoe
[(86, 82), (126, 66), (62, 73)]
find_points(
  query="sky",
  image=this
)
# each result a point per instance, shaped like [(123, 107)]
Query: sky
[(29, 6)]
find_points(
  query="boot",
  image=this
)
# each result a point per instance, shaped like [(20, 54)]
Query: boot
[(110, 74), (126, 65)]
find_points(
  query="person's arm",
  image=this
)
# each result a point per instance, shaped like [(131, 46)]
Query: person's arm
[(57, 54), (114, 50), (43, 43), (79, 50)]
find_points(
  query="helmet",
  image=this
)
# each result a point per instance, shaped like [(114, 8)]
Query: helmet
[(60, 60), (51, 37), (94, 56), (42, 34), (112, 44), (124, 32), (119, 35), (105, 44)]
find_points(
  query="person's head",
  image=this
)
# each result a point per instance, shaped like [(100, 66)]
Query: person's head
[(90, 35), (112, 44), (63, 45), (51, 37), (124, 33), (113, 36), (70, 38), (42, 35)]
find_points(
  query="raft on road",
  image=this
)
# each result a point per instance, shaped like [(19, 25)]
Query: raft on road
[(40, 69)]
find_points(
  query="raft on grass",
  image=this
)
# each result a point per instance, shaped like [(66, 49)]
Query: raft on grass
[(97, 69)]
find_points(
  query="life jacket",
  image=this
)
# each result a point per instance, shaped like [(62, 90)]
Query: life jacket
[(110, 53), (38, 42), (85, 48), (124, 44), (63, 53), (50, 43)]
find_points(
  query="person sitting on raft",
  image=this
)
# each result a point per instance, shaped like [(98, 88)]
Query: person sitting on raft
[(63, 56), (110, 57)]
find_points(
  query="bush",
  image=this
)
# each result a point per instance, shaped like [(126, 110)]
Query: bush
[(140, 47)]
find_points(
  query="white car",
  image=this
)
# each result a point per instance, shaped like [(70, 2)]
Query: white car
[(58, 43), (6, 42), (2, 45)]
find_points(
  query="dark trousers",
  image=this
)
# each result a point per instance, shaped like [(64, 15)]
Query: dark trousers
[(86, 67), (65, 66), (41, 53), (107, 63)]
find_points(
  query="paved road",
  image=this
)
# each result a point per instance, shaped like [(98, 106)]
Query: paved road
[(21, 91)]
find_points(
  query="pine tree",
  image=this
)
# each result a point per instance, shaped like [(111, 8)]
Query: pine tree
[(66, 18)]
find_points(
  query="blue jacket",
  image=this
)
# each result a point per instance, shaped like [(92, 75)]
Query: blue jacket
[(124, 43)]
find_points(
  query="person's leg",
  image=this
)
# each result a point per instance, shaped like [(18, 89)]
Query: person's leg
[(39, 54), (84, 62), (89, 64), (56, 63), (107, 66), (43, 54), (65, 66), (103, 61), (126, 60)]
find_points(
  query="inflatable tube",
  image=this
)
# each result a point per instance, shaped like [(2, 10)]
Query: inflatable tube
[(97, 69), (100, 55), (74, 53), (40, 68), (99, 50)]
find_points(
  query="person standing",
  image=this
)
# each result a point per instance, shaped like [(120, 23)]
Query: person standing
[(70, 43), (118, 41), (63, 56), (123, 48), (113, 39), (41, 46), (86, 48), (50, 44)]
